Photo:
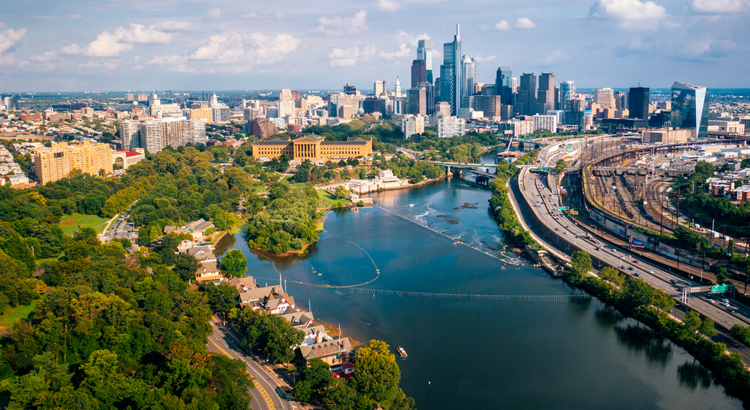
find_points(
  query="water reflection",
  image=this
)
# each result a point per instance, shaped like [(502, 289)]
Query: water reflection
[(693, 375), (608, 316), (657, 349)]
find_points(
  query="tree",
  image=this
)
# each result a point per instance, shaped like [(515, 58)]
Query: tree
[(341, 192), (303, 391), (340, 396), (376, 373), (186, 266), (234, 263), (221, 298), (581, 263)]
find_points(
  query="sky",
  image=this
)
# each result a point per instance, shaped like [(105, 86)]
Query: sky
[(124, 45)]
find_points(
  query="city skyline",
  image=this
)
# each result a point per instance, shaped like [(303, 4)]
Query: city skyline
[(119, 45)]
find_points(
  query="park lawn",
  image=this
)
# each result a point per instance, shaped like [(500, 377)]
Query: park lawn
[(70, 223), (17, 313), (329, 200), (296, 185)]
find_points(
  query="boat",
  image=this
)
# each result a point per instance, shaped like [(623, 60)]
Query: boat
[(411, 205), (402, 352)]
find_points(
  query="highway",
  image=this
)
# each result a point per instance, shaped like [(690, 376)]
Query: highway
[(544, 203), (270, 392), (121, 229)]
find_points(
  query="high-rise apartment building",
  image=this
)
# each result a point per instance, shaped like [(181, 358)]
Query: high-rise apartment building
[(129, 134), (380, 87), (418, 73), (56, 162), (546, 93), (526, 99), (690, 108), (262, 128), (202, 113), (638, 101), (155, 135), (545, 122), (469, 76), (451, 127), (504, 85), (424, 53), (285, 95), (605, 97), (450, 73), (412, 124)]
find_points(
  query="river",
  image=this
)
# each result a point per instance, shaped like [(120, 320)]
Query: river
[(480, 354)]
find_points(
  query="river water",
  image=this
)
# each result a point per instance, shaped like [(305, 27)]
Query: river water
[(480, 354)]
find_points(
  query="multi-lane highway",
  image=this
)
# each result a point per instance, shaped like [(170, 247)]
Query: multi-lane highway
[(270, 392), (544, 202)]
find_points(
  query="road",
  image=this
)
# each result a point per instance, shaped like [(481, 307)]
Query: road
[(270, 391), (121, 228), (544, 203)]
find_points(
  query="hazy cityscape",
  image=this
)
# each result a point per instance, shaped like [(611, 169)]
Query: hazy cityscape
[(384, 205)]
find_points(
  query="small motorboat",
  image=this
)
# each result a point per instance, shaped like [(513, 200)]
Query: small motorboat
[(411, 205), (402, 352)]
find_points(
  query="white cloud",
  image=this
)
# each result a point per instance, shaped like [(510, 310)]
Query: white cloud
[(22, 64), (7, 59), (340, 25), (348, 57), (250, 16), (141, 34), (555, 57), (524, 22), (388, 5), (484, 27), (214, 14), (628, 10), (232, 52), (403, 51), (503, 25), (46, 57), (404, 37), (171, 26), (75, 16), (167, 60), (106, 64), (719, 6), (10, 38), (480, 59), (137, 67), (105, 45)]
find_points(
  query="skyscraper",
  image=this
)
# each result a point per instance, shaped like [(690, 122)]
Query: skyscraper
[(638, 102), (690, 107), (567, 92), (605, 97), (504, 85), (469, 75), (379, 88), (450, 73), (546, 93), (424, 53), (418, 73), (350, 89), (526, 100)]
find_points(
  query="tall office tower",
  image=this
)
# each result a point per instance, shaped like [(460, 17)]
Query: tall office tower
[(379, 88), (129, 134), (690, 107), (567, 93), (418, 73), (526, 99), (469, 76), (504, 85), (546, 93), (350, 89), (424, 53), (514, 84), (285, 95), (621, 101), (214, 100), (416, 102), (638, 102), (605, 97), (450, 73)]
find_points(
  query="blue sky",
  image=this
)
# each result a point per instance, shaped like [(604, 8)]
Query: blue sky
[(52, 45)]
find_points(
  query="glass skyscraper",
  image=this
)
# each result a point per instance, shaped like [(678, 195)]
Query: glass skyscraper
[(424, 52), (450, 73), (567, 92), (469, 76), (690, 108), (504, 85)]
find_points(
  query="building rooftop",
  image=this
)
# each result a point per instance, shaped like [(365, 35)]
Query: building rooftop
[(326, 349)]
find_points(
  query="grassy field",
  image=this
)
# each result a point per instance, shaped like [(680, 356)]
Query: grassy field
[(14, 314), (296, 185), (70, 223), (329, 200)]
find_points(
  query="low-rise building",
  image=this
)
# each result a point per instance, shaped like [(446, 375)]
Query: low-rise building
[(313, 148), (196, 228), (666, 136), (332, 352)]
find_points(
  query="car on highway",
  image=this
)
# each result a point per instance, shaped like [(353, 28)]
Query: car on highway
[(630, 268), (726, 304), (674, 281), (637, 275), (635, 261)]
